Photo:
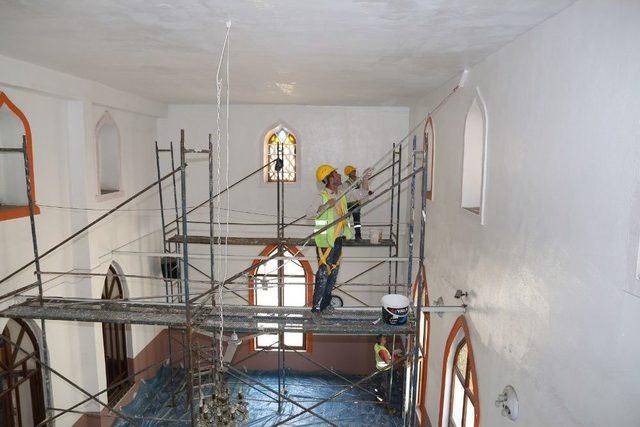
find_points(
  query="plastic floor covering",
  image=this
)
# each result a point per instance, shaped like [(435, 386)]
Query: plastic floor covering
[(154, 407)]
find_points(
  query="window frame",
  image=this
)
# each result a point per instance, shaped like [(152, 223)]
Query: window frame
[(14, 212), (458, 336), (267, 156), (309, 278), (20, 372)]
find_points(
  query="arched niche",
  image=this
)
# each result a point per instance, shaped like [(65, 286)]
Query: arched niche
[(13, 188), (474, 157), (108, 150)]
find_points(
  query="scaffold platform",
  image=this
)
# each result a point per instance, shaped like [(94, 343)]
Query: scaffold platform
[(266, 241), (250, 319)]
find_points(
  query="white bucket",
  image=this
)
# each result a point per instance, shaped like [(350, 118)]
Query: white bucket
[(395, 309)]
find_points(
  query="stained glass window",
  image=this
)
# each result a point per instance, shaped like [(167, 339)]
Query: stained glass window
[(280, 144)]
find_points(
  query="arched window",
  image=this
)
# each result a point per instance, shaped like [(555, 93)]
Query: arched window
[(459, 402), (21, 390), (13, 188), (115, 342), (429, 146), (297, 278), (108, 149), (280, 143), (473, 158), (425, 328)]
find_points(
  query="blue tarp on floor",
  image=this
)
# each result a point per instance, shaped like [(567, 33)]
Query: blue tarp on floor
[(352, 408)]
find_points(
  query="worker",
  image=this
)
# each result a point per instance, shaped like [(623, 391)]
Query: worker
[(383, 365), (356, 194), (329, 241)]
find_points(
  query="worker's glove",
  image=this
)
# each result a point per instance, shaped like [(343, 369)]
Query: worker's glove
[(367, 173)]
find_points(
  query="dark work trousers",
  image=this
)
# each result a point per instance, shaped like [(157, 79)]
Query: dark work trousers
[(383, 386), (326, 276), (354, 208)]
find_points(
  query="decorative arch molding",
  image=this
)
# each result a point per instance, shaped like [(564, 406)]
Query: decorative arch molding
[(19, 210), (430, 148), (459, 332), (108, 156)]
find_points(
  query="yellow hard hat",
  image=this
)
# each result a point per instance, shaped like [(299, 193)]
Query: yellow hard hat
[(323, 171), (348, 170)]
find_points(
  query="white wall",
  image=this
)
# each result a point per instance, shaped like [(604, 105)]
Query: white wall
[(63, 112), (554, 303), (335, 135)]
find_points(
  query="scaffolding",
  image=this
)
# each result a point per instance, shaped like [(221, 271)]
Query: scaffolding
[(187, 313)]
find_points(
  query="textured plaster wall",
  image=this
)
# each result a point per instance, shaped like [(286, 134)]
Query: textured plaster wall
[(63, 112), (554, 304)]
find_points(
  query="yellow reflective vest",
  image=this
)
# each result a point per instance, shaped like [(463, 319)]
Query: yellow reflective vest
[(381, 365), (326, 238)]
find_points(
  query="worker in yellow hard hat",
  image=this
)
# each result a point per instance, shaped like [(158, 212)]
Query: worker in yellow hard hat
[(357, 192), (329, 236)]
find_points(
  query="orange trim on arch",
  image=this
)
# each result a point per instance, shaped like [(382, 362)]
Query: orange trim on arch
[(309, 277), (422, 396), (460, 323), (430, 161), (12, 212)]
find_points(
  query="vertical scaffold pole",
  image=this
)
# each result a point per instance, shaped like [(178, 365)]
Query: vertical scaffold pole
[(410, 230), (185, 277), (392, 205), (164, 231), (279, 166), (36, 257), (175, 206), (419, 290), (412, 203), (397, 233), (167, 286)]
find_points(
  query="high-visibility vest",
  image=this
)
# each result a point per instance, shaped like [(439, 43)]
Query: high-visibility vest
[(326, 238), (381, 365)]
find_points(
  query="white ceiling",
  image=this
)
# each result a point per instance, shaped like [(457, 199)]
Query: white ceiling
[(321, 52)]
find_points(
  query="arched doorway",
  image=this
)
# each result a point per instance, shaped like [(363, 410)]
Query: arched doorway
[(21, 391), (114, 338)]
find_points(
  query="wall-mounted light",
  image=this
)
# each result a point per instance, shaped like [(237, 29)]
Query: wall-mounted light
[(459, 294), (508, 401)]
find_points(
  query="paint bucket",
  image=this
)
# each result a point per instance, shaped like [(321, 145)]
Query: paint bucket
[(395, 309)]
